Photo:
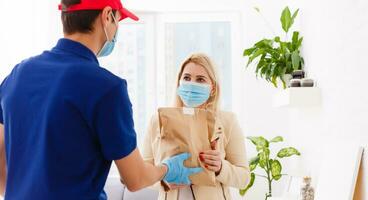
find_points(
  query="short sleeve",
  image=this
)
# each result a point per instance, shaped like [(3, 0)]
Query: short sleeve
[(113, 123)]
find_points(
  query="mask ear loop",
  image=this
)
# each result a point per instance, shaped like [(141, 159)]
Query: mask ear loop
[(116, 24), (113, 18), (107, 37)]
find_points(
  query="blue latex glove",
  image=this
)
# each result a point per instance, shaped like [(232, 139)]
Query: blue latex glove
[(177, 173)]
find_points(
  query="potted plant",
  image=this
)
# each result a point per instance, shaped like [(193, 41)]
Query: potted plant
[(277, 58), (271, 166)]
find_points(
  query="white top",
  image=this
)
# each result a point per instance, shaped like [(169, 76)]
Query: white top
[(185, 194)]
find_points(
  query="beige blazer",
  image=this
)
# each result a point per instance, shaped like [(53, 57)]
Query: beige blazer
[(235, 169)]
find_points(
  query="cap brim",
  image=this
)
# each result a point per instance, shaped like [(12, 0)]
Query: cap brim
[(127, 14)]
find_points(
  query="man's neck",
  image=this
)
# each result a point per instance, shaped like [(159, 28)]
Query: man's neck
[(87, 40)]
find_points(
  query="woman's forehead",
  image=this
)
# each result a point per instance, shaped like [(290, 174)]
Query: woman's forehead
[(195, 70)]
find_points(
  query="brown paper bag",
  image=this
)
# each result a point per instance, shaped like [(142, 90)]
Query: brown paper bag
[(187, 130)]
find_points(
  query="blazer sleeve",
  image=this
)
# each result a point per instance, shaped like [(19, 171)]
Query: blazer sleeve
[(235, 170)]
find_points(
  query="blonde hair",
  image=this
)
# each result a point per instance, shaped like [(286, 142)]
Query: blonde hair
[(204, 61)]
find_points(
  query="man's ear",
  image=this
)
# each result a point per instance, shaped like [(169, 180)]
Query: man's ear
[(106, 16)]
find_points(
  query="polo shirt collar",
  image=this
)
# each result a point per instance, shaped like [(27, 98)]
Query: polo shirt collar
[(76, 48)]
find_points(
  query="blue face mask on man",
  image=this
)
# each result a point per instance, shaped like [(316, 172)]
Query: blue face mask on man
[(193, 94), (108, 47)]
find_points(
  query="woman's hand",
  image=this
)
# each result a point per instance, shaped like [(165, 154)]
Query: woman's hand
[(211, 160)]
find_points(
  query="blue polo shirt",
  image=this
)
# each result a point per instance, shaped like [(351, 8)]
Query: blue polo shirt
[(66, 119)]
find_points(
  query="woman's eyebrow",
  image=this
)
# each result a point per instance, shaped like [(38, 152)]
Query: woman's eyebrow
[(201, 76), (187, 74)]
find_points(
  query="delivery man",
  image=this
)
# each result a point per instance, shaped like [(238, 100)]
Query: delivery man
[(64, 119)]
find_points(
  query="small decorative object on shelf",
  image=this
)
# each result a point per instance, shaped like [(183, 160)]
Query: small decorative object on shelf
[(307, 191), (307, 82), (295, 83), (298, 74), (300, 80)]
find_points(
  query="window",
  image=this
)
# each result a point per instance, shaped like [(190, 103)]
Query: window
[(212, 38)]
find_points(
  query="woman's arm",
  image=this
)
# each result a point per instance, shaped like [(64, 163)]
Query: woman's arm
[(2, 162), (235, 168)]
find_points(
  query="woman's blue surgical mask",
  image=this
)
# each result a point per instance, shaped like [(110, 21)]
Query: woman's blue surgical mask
[(108, 47), (193, 94)]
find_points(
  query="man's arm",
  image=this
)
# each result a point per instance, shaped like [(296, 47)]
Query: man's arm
[(138, 174), (2, 162)]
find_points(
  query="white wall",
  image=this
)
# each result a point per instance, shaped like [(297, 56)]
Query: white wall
[(27, 29), (260, 117), (335, 53)]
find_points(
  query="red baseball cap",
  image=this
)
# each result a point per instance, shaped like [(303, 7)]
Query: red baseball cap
[(99, 5)]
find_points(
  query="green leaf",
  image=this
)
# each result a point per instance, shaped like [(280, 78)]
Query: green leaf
[(261, 64), (295, 40), (299, 44), (248, 52), (287, 152), (264, 44), (257, 9), (274, 80), (277, 139), (294, 16), (263, 158), (283, 84), (264, 70), (253, 163), (260, 148), (286, 19), (295, 59), (251, 182), (282, 48), (255, 55), (259, 141), (277, 39), (276, 169)]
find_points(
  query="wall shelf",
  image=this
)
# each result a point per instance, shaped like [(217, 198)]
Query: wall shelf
[(298, 97)]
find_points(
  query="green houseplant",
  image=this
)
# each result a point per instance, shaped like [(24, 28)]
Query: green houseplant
[(277, 57), (271, 166)]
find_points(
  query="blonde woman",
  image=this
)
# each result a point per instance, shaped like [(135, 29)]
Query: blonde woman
[(198, 87)]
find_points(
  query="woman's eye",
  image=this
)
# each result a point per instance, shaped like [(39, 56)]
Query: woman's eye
[(186, 78), (201, 80)]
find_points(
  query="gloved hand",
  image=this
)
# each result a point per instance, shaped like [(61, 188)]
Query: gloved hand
[(177, 173)]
